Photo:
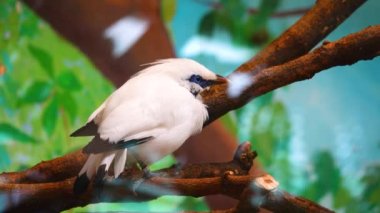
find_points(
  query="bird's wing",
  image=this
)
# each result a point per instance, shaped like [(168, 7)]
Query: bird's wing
[(91, 127), (127, 125), (97, 145), (133, 119), (87, 130)]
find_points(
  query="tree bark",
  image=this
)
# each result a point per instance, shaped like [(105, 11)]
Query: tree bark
[(281, 63)]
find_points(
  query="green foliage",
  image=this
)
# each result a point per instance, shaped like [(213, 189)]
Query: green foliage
[(328, 179), (50, 116), (207, 24), (37, 92), (371, 192), (41, 91), (236, 17), (9, 132), (68, 81), (68, 103), (5, 160), (43, 58)]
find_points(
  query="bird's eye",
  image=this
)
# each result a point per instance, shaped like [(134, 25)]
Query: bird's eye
[(196, 79)]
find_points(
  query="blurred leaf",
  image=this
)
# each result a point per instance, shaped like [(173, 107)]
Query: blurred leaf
[(229, 123), (69, 105), (325, 166), (9, 132), (342, 198), (43, 57), (163, 163), (37, 92), (371, 192), (49, 117), (29, 24), (259, 20), (4, 158), (168, 8), (207, 24), (67, 80), (6, 61), (193, 204), (235, 8), (328, 177)]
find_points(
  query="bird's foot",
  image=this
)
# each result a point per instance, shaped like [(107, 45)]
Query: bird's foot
[(147, 174)]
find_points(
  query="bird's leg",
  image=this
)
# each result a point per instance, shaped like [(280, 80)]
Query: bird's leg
[(147, 174)]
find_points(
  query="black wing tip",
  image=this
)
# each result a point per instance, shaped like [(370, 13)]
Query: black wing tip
[(75, 134), (81, 183), (89, 129), (100, 174)]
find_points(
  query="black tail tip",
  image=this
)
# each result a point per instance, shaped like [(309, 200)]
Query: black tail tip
[(81, 184)]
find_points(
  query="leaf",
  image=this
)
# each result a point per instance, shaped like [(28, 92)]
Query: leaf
[(328, 174), (168, 8), (69, 104), (163, 163), (193, 204), (67, 80), (4, 158), (37, 92), (9, 132), (342, 198), (49, 117), (44, 59), (29, 24), (207, 24)]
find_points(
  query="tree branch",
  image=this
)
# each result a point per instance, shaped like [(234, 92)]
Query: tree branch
[(299, 39), (325, 16), (196, 180), (363, 45)]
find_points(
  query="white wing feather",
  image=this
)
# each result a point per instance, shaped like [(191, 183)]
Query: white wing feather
[(135, 111)]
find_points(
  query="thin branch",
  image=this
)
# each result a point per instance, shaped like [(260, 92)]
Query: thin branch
[(280, 14), (284, 13), (307, 32)]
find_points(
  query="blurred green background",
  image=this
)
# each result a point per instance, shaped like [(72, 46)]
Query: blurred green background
[(319, 138)]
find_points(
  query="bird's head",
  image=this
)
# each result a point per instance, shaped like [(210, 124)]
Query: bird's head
[(190, 74)]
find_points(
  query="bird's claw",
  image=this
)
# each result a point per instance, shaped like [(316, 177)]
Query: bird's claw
[(147, 174)]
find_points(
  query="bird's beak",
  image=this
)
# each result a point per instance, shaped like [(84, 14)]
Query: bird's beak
[(219, 80)]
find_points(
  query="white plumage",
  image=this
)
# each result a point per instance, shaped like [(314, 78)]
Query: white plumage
[(153, 113)]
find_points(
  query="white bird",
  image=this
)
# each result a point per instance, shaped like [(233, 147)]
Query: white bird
[(151, 116)]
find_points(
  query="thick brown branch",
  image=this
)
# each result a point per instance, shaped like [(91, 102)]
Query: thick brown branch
[(195, 180), (299, 39), (192, 180), (307, 32), (64, 167), (275, 201), (363, 45), (325, 16)]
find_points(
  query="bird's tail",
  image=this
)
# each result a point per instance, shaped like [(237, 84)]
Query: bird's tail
[(98, 165)]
